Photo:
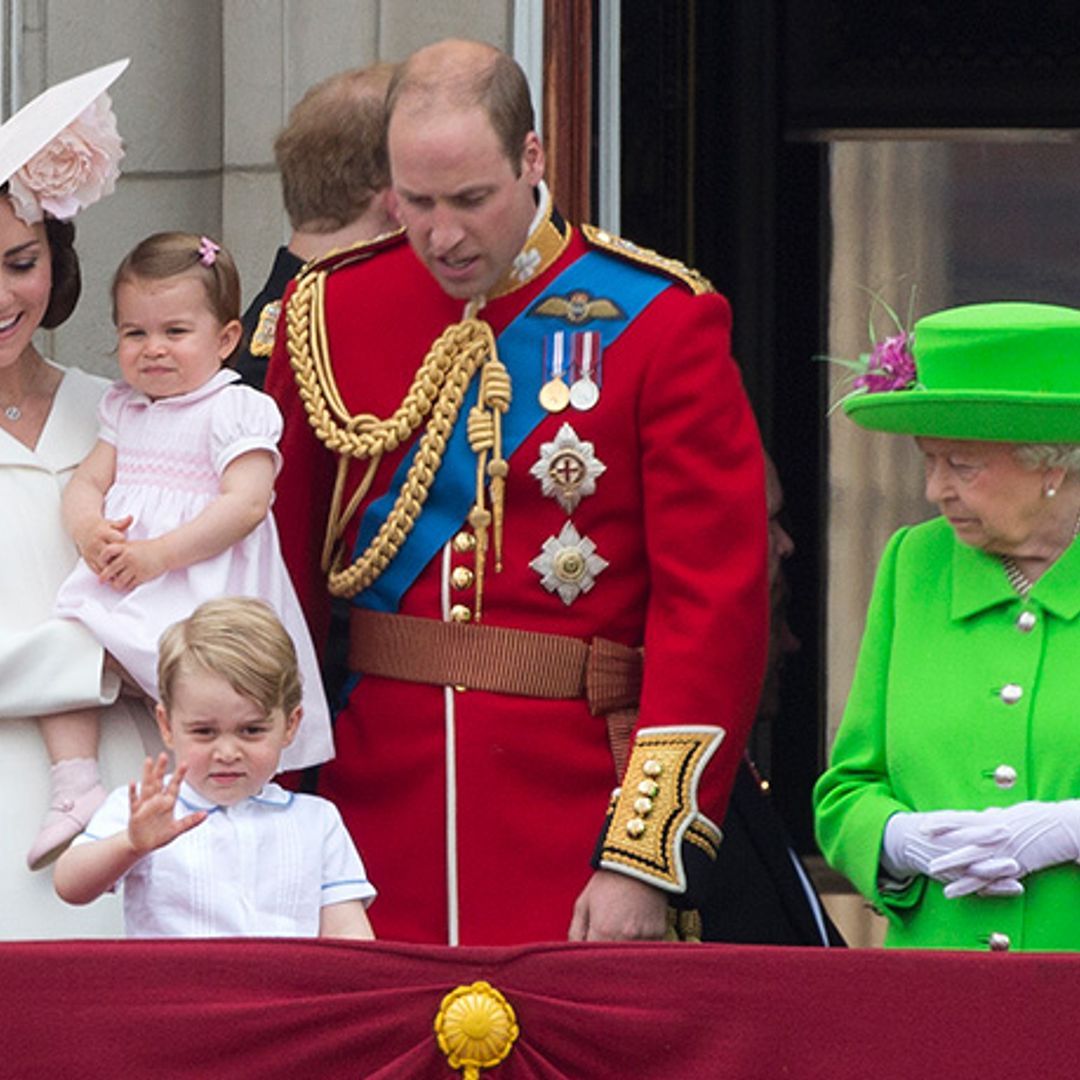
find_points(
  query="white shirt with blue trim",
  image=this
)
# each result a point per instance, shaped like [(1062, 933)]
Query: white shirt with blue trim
[(263, 867)]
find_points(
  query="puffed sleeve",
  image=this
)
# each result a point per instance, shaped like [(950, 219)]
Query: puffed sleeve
[(110, 818), (854, 798), (245, 419), (344, 876), (110, 408)]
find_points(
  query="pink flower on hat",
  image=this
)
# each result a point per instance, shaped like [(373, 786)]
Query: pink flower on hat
[(73, 170), (891, 365)]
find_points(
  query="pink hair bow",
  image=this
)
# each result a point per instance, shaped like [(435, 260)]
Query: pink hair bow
[(208, 250)]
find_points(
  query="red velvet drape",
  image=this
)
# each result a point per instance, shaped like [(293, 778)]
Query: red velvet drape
[(269, 1008)]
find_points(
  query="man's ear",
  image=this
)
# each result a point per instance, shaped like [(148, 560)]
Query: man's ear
[(532, 159)]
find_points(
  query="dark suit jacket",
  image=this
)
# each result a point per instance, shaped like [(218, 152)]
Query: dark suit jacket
[(755, 894), (252, 369)]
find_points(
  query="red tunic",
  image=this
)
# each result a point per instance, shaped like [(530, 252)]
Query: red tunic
[(520, 786)]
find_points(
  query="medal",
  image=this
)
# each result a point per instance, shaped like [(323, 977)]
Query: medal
[(555, 394), (584, 391), (567, 468), (568, 564)]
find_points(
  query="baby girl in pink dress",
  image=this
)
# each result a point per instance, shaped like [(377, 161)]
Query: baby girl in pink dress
[(172, 505)]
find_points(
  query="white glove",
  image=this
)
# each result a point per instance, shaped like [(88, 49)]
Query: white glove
[(913, 842), (1037, 835)]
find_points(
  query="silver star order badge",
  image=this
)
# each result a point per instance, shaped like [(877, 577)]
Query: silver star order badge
[(568, 564), (567, 468)]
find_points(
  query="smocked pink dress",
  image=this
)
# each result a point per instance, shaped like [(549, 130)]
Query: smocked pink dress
[(170, 454)]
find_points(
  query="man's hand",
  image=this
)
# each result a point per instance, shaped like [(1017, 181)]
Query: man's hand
[(615, 907), (152, 824)]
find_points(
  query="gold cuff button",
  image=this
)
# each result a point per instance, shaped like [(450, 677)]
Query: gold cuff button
[(461, 577), (463, 542), (460, 613)]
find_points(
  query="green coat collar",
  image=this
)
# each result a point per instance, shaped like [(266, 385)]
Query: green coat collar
[(979, 583)]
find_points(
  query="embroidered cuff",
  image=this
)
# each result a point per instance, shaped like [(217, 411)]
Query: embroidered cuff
[(656, 808)]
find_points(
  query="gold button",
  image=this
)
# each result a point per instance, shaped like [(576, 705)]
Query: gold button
[(569, 565), (461, 577), (463, 542), (460, 613), (652, 767), (649, 789), (642, 806), (635, 827)]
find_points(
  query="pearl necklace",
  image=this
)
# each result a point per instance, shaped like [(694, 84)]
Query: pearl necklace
[(1020, 582)]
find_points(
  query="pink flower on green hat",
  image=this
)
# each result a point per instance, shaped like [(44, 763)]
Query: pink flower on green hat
[(74, 170), (890, 366)]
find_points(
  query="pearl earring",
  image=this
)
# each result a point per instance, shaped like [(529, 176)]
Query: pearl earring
[(1051, 491)]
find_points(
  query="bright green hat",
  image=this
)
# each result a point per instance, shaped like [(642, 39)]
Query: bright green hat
[(1005, 372)]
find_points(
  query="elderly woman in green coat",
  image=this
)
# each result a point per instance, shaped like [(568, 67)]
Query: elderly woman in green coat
[(952, 800)]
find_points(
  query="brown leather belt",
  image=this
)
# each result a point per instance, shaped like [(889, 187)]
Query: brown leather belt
[(496, 658)]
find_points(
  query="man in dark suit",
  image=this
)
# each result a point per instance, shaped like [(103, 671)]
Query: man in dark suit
[(335, 181), (760, 893)]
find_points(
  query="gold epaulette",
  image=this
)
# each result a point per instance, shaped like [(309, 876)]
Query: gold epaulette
[(695, 281), (656, 808), (354, 253)]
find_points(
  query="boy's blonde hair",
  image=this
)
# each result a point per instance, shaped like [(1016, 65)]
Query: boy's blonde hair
[(240, 639), (170, 254)]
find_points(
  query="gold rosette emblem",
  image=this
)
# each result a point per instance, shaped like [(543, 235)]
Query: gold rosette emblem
[(475, 1028)]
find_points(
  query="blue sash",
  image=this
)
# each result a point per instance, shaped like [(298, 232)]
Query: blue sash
[(520, 348)]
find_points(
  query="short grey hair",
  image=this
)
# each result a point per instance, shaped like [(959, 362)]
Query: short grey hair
[(1049, 456)]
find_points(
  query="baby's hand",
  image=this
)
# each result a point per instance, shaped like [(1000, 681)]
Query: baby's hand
[(93, 540), (151, 824), (132, 563)]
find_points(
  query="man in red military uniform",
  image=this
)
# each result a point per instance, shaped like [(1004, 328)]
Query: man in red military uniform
[(523, 453)]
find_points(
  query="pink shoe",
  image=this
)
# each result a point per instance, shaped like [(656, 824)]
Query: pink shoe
[(65, 819)]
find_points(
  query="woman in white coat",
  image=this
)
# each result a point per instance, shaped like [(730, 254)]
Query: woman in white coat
[(57, 154)]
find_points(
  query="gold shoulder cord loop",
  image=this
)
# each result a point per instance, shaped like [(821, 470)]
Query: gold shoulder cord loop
[(437, 390)]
